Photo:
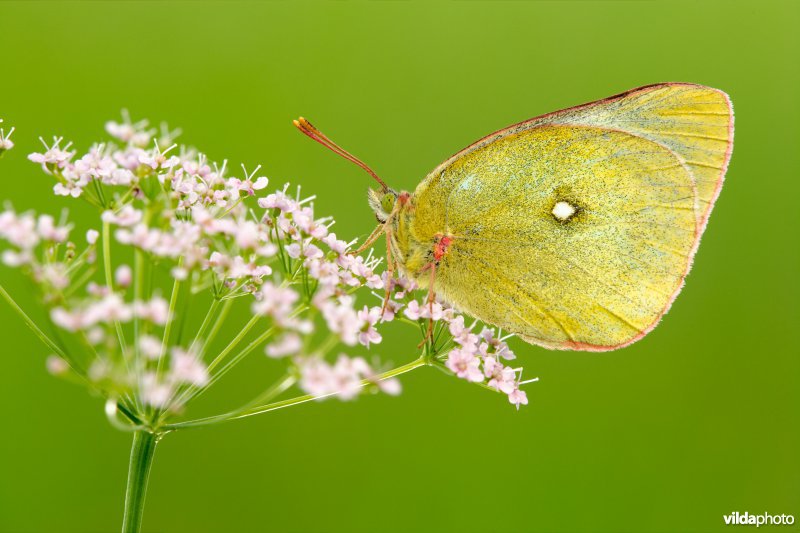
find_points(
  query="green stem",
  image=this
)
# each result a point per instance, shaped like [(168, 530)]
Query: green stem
[(110, 283), (236, 340), (39, 333), (142, 452), (193, 391), (243, 413), (223, 314), (199, 336), (173, 300)]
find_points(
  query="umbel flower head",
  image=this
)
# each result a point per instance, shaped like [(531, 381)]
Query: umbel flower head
[(176, 233)]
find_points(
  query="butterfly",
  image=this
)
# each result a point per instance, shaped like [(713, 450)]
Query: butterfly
[(574, 230)]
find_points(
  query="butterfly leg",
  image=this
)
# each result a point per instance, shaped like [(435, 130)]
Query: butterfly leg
[(384, 227), (430, 301), (389, 270), (371, 239)]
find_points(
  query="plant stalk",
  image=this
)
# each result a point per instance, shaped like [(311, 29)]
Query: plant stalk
[(142, 452)]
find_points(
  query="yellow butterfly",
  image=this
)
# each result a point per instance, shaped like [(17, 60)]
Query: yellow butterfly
[(574, 230)]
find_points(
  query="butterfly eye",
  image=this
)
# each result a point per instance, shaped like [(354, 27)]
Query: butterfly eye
[(387, 202)]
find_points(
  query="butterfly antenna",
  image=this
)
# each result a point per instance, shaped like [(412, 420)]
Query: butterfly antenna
[(309, 130)]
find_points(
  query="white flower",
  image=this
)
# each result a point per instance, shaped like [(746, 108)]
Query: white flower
[(150, 346), (288, 344), (127, 216), (369, 317), (275, 301), (518, 397), (123, 276), (56, 365), (465, 365), (186, 368), (248, 185), (154, 392), (5, 139), (53, 156)]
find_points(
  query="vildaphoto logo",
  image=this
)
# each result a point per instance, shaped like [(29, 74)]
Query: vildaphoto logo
[(747, 519)]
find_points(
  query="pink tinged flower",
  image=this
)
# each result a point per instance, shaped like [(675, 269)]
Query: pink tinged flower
[(267, 250), (153, 392), (413, 311), (342, 319), (368, 334), (55, 274), (96, 335), (499, 347), (347, 374), (340, 247), (110, 309), (127, 216), (129, 158), (293, 250), (197, 168), (390, 386), (150, 347), (502, 378), (123, 276), (156, 310), (56, 365), (288, 344), (186, 368), (316, 377), (313, 252), (179, 273), (120, 176), (53, 156), (280, 201), (374, 281), (156, 159), (248, 185), (97, 290), (17, 259), (5, 139), (19, 230), (69, 188), (66, 320), (140, 236), (462, 334), (390, 310), (124, 132), (518, 397), (275, 301), (248, 235), (305, 221), (95, 164), (465, 365), (91, 236)]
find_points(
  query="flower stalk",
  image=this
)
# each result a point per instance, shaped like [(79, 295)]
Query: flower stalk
[(143, 451)]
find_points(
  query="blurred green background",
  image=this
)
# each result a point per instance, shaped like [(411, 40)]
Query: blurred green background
[(697, 420)]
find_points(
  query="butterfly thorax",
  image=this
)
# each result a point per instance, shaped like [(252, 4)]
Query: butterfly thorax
[(412, 253)]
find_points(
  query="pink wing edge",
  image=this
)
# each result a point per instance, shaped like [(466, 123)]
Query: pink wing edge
[(581, 346)]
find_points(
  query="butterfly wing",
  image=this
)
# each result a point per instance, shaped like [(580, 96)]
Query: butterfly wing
[(598, 272)]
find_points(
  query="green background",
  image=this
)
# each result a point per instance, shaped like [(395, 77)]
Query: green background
[(697, 420)]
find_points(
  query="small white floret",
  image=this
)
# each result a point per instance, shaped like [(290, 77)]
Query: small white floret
[(563, 210)]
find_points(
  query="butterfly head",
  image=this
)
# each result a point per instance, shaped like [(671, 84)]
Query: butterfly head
[(382, 202)]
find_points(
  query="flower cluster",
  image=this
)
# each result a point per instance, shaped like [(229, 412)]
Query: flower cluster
[(5, 139), (176, 231)]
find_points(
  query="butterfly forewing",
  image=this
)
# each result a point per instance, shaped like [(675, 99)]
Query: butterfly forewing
[(576, 230)]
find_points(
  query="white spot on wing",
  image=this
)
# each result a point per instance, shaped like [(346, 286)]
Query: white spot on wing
[(563, 210)]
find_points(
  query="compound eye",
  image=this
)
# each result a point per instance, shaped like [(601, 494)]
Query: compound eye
[(387, 202)]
